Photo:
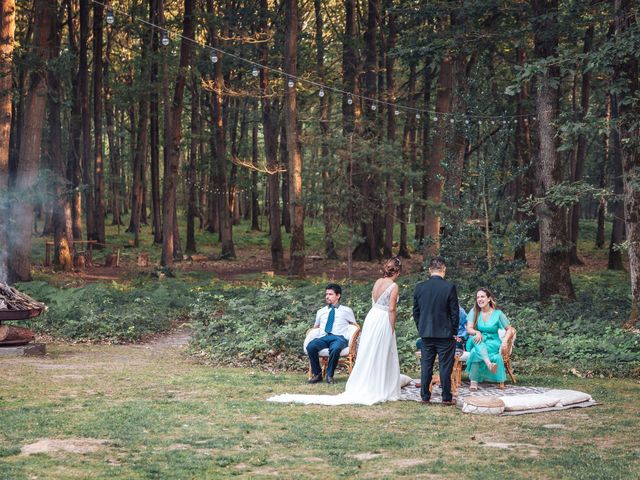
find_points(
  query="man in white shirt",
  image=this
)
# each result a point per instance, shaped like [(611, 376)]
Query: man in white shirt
[(334, 320)]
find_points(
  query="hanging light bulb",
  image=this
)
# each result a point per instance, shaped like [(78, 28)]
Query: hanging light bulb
[(417, 116), (396, 113), (373, 106), (291, 83), (451, 121), (165, 38), (321, 93), (493, 122), (214, 56), (435, 119), (479, 122), (466, 122), (255, 72), (110, 17), (350, 100)]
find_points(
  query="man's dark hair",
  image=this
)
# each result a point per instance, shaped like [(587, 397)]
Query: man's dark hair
[(437, 263), (335, 287)]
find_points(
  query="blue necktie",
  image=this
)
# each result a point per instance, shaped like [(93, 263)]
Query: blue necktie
[(332, 317)]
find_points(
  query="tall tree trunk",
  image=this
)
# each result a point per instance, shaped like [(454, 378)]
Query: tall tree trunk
[(329, 212), (191, 175), (409, 158), (296, 266), (62, 228), (270, 133), (7, 31), (581, 150), (100, 234), (555, 278), (173, 141), (602, 175), (255, 206), (618, 224), (523, 185), (227, 249), (627, 73), (154, 125), (284, 184), (422, 215), (391, 128), (74, 164), (366, 180), (114, 147), (435, 181), (83, 91), (19, 264)]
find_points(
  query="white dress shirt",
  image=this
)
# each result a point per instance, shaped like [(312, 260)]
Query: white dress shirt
[(344, 316)]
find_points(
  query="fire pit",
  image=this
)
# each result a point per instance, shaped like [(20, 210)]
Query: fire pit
[(15, 305)]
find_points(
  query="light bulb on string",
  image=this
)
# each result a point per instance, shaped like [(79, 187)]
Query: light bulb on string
[(374, 106), (479, 122), (110, 17), (417, 116), (350, 100), (214, 56), (493, 122), (452, 121), (396, 113), (165, 38), (435, 119), (291, 83), (254, 71), (321, 93), (466, 122)]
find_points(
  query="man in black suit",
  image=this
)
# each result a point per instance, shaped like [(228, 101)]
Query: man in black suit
[(436, 313)]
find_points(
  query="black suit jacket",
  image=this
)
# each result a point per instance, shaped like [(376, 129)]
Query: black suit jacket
[(435, 308)]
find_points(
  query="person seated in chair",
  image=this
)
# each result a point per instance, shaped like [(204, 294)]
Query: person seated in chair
[(334, 320)]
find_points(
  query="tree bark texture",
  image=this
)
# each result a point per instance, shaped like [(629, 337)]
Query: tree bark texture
[(173, 141), (99, 192), (7, 32), (555, 278), (436, 176), (30, 142), (296, 266), (269, 129), (629, 110)]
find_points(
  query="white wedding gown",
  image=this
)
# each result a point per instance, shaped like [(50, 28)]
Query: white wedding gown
[(376, 374)]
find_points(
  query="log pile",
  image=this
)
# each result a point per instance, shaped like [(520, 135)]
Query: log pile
[(13, 300)]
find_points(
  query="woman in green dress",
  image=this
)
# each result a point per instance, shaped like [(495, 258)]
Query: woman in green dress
[(484, 345)]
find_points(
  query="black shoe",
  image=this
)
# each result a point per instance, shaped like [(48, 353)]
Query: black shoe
[(447, 403), (330, 380), (315, 379), (425, 402)]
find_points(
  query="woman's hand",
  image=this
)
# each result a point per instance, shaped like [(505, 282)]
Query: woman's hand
[(478, 338)]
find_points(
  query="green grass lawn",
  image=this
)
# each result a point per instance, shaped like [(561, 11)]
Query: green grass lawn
[(149, 411)]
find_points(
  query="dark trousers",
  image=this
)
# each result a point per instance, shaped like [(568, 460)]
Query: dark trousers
[(335, 344), (445, 348)]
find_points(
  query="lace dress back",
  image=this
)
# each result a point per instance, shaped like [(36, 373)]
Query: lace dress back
[(385, 298)]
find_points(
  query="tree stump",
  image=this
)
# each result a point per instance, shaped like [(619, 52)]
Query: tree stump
[(79, 260), (112, 259), (143, 259)]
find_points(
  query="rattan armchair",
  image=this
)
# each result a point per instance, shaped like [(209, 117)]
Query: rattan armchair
[(347, 355)]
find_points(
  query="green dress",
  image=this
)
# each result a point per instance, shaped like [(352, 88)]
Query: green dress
[(490, 343)]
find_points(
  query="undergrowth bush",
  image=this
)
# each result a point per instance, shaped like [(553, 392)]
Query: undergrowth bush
[(109, 312), (265, 326)]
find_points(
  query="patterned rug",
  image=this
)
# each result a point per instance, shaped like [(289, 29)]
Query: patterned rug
[(411, 392)]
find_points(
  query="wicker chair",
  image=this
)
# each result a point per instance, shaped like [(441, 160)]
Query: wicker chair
[(456, 373), (347, 355)]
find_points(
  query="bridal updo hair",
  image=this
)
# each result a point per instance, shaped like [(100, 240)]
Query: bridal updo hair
[(391, 266)]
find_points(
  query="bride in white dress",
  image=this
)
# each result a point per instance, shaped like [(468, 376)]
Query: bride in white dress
[(376, 374)]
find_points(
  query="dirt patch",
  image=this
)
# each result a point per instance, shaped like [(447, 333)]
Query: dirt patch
[(61, 446), (365, 456), (408, 462)]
